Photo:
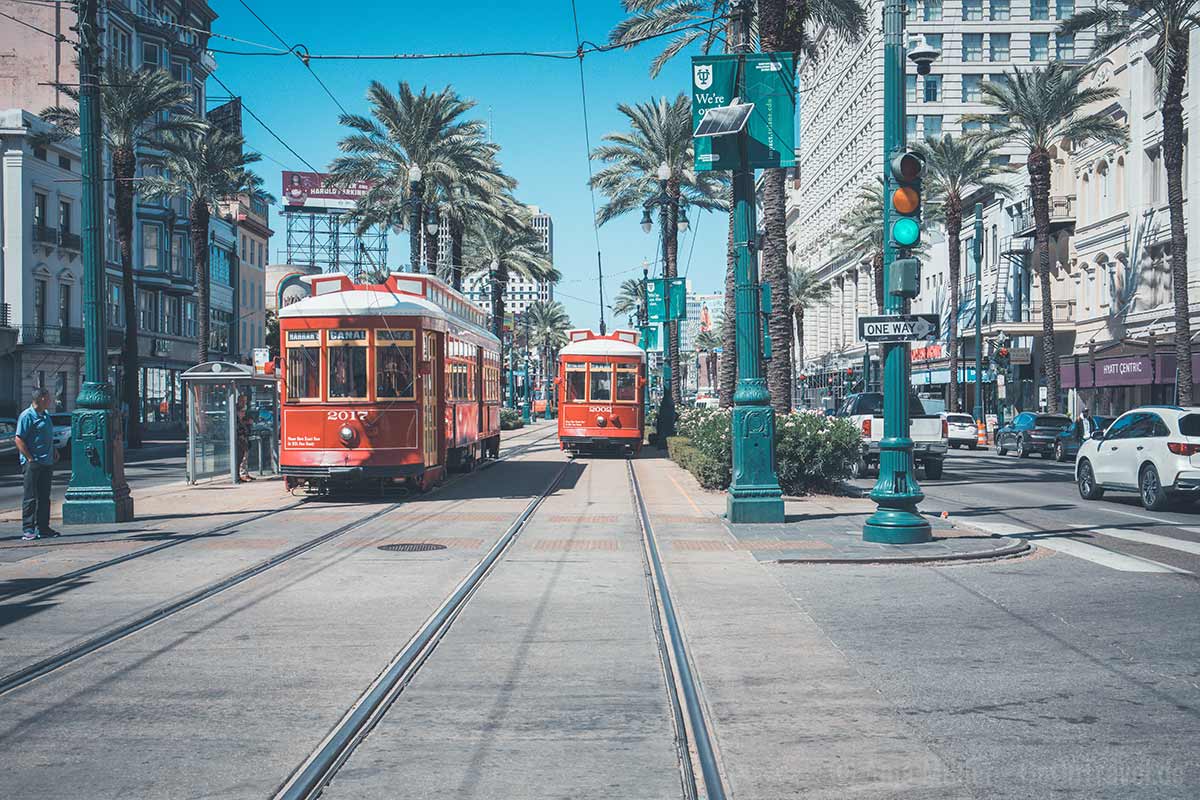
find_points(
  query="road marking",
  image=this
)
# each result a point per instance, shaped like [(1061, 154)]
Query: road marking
[(1083, 550), (1151, 538)]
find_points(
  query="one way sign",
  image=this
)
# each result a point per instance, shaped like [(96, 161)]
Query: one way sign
[(906, 328)]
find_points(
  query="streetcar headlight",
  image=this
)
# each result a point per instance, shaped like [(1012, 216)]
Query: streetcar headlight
[(346, 434), (601, 421)]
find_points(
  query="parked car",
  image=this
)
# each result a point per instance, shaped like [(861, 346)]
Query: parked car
[(1030, 433), (62, 431), (8, 442), (927, 431), (1152, 450), (960, 430), (1066, 446)]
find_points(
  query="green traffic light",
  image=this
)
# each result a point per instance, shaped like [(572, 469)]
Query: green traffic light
[(906, 232)]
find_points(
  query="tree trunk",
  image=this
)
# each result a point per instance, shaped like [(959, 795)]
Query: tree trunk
[(124, 167), (728, 362), (1039, 191), (1173, 141), (953, 227), (456, 254), (198, 216), (877, 274), (414, 229), (670, 230)]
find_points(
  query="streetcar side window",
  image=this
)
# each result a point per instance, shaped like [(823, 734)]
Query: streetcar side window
[(347, 364), (626, 384), (394, 361), (303, 372), (576, 383), (601, 384)]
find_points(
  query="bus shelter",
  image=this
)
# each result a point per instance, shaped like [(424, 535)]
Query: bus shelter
[(213, 391)]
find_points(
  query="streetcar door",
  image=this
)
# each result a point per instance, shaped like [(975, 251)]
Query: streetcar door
[(429, 403)]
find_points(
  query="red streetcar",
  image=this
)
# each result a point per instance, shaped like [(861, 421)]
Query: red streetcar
[(601, 392), (385, 383)]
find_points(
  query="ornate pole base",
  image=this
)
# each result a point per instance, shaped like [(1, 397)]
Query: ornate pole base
[(754, 493), (98, 492), (897, 494)]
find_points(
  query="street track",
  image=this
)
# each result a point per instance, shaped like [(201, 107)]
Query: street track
[(20, 677), (314, 774)]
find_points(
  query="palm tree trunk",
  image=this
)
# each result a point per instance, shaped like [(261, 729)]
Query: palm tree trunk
[(1173, 140), (1039, 191), (124, 167), (198, 217), (728, 363), (670, 230), (877, 274), (414, 229), (456, 254), (953, 228)]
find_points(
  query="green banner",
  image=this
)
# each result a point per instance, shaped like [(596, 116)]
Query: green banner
[(666, 299), (771, 86), (656, 300), (677, 299), (649, 338)]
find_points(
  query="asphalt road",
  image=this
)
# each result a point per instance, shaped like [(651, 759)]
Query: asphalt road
[(1037, 498), (155, 464)]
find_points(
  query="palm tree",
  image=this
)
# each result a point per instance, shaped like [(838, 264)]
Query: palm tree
[(1038, 108), (805, 290), (131, 112), (660, 134), (709, 342), (1170, 23), (205, 167), (502, 250), (955, 169), (630, 298), (548, 326), (420, 155), (860, 230)]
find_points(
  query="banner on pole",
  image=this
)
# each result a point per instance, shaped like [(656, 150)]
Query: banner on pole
[(770, 86), (666, 299)]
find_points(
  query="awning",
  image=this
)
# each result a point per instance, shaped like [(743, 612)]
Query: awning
[(921, 377), (1130, 370)]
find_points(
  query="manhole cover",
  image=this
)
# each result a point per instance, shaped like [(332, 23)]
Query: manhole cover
[(411, 547)]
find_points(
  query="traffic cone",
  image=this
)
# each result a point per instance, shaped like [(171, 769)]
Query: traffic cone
[(981, 440)]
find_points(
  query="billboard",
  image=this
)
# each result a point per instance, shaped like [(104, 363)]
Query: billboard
[(228, 117), (312, 190)]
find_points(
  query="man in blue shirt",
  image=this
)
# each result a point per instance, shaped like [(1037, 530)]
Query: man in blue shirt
[(35, 441)]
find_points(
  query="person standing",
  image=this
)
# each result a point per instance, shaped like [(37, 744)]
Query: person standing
[(1083, 425), (35, 442)]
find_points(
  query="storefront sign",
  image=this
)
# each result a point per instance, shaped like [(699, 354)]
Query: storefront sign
[(1128, 371), (930, 353), (1018, 356)]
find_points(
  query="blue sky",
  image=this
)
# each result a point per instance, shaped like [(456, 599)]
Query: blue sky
[(535, 106)]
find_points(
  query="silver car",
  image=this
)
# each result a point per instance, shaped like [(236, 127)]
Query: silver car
[(62, 431)]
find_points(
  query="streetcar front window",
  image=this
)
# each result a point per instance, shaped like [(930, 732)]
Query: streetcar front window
[(394, 372), (576, 383), (626, 384), (304, 373), (348, 372), (601, 382)]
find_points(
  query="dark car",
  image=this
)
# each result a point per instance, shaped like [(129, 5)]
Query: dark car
[(1067, 443), (1031, 433)]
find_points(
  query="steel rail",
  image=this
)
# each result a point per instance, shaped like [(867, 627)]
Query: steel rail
[(18, 678), (714, 787), (315, 772)]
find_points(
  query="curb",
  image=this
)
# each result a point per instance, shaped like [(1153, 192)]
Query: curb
[(1011, 548)]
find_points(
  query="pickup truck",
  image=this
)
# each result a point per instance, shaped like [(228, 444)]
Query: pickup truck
[(927, 431)]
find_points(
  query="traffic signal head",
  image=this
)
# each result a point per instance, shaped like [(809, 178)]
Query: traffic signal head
[(907, 168)]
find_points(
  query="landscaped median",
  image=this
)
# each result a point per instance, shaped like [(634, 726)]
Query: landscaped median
[(813, 452)]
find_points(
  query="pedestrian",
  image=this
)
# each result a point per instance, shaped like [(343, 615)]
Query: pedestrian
[(35, 442), (244, 425), (1083, 424)]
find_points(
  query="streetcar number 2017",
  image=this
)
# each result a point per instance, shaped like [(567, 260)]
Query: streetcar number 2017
[(345, 416)]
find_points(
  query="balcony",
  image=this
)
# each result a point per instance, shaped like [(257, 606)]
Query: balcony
[(44, 234), (70, 241), (1062, 217), (50, 336)]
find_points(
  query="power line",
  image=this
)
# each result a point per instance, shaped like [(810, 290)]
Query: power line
[(56, 36), (260, 121)]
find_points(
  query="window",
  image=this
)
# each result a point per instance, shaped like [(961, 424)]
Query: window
[(64, 163), (303, 365), (999, 43), (910, 128), (1064, 9), (219, 323), (1000, 79), (115, 318), (347, 363), (151, 244), (600, 383), (576, 383), (970, 125), (120, 46), (218, 265), (39, 304), (972, 47), (39, 210), (64, 216), (189, 318), (147, 311), (151, 55), (39, 153), (933, 10), (972, 10), (172, 321), (64, 305), (177, 254), (933, 88), (60, 391), (1064, 45), (1001, 9), (394, 364), (1039, 46), (934, 40), (910, 88), (1120, 428), (626, 390), (972, 88), (243, 247), (242, 299), (933, 126), (910, 7), (1039, 10)]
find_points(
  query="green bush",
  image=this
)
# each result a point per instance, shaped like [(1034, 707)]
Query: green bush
[(510, 419), (812, 451)]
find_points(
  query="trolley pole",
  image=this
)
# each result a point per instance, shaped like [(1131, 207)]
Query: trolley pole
[(754, 493), (978, 253), (97, 491)]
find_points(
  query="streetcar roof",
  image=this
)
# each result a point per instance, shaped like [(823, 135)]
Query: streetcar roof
[(618, 343)]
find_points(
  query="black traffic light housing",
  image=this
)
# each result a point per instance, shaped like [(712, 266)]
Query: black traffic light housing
[(906, 169)]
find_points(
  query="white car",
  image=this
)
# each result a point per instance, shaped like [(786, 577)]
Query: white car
[(961, 430), (62, 431), (1152, 450)]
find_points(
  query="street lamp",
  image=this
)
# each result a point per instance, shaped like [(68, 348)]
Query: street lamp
[(670, 209), (414, 216), (431, 220)]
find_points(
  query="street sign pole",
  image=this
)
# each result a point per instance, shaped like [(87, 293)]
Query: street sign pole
[(754, 493), (896, 521), (97, 491), (978, 253)]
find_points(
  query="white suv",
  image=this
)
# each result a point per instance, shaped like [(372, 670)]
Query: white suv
[(1152, 450), (960, 429)]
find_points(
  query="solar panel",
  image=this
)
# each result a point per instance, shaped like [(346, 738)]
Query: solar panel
[(724, 120)]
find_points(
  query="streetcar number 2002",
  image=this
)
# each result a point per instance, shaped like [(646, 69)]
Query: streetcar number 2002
[(345, 416)]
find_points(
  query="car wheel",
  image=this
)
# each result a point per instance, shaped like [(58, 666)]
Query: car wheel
[(1000, 448), (972, 446), (933, 470), (1086, 479), (1154, 496), (1022, 449), (1060, 452)]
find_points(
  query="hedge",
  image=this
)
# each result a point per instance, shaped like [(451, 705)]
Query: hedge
[(510, 419), (812, 451)]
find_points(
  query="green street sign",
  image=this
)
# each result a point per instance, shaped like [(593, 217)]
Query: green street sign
[(666, 299), (771, 86)]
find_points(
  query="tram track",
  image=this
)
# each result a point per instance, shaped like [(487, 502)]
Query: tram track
[(27, 674)]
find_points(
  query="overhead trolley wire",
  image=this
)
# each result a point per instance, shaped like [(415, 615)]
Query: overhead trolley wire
[(260, 121), (587, 139)]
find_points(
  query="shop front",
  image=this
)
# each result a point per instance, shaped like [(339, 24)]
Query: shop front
[(1111, 385)]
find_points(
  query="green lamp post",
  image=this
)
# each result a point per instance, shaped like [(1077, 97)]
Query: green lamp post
[(977, 252), (528, 382), (97, 492)]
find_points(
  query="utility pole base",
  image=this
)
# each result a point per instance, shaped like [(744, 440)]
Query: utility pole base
[(98, 492), (754, 493), (897, 526), (747, 505)]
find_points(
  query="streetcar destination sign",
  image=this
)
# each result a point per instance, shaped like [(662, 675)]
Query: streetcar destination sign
[(905, 328)]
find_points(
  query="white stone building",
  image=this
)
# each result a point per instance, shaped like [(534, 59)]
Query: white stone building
[(521, 292)]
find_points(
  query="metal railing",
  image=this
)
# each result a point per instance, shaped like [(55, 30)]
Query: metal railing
[(70, 241), (44, 234), (1062, 209), (53, 335)]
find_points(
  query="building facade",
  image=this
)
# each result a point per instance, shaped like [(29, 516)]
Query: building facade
[(521, 292), (251, 215)]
